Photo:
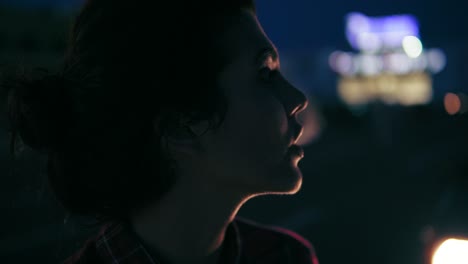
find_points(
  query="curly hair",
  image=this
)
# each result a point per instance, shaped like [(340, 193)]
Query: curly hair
[(128, 76)]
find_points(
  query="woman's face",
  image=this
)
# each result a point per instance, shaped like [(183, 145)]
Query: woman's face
[(253, 150)]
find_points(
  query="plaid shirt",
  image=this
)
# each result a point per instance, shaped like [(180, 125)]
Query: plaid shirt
[(246, 243)]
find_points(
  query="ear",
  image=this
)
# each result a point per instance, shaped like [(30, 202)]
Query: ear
[(185, 138)]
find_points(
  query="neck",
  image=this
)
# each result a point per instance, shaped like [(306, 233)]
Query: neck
[(188, 224)]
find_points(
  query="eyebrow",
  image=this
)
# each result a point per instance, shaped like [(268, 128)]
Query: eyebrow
[(264, 54)]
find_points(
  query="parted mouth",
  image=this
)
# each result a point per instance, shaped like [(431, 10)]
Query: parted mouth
[(296, 150), (297, 130)]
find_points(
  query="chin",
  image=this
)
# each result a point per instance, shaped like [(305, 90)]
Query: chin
[(297, 187), (286, 183), (294, 186), (285, 179)]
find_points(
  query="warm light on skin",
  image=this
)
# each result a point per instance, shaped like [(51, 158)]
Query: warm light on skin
[(271, 62), (451, 251), (452, 103), (412, 46)]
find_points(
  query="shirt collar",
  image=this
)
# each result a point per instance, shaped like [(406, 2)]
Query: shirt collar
[(232, 249), (117, 243)]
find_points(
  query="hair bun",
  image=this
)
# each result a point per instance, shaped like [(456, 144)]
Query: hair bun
[(39, 109)]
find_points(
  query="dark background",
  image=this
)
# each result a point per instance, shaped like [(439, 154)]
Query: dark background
[(380, 186)]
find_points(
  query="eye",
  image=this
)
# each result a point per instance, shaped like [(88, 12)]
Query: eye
[(267, 74)]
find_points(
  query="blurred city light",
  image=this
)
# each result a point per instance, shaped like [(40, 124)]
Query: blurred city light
[(412, 46), (371, 34), (391, 64), (451, 251), (343, 63), (436, 60), (349, 64), (406, 90), (455, 103), (452, 103)]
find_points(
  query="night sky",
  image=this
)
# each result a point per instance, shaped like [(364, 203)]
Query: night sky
[(309, 24), (314, 24)]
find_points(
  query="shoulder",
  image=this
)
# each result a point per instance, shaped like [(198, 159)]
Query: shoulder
[(266, 241), (87, 254)]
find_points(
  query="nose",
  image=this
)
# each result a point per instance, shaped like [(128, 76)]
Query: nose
[(294, 102)]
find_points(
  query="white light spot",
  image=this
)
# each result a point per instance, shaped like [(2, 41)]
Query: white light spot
[(412, 46), (451, 251)]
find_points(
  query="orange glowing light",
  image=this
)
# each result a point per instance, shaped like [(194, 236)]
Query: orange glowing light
[(452, 103)]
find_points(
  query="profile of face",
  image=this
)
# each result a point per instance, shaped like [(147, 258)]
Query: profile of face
[(253, 150)]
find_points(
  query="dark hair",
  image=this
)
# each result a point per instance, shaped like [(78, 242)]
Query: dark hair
[(126, 65)]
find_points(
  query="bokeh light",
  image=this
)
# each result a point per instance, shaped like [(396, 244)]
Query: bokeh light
[(436, 60), (342, 62), (451, 251), (452, 103), (372, 34), (412, 46)]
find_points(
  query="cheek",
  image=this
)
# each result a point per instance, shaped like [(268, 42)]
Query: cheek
[(253, 137), (271, 123), (261, 128)]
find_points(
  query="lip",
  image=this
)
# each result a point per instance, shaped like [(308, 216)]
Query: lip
[(296, 150)]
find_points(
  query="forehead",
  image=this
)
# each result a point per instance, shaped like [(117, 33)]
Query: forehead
[(245, 38)]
